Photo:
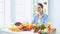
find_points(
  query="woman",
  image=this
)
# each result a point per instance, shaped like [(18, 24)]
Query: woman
[(40, 17)]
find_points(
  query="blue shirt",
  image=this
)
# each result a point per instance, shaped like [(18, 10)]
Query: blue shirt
[(44, 19)]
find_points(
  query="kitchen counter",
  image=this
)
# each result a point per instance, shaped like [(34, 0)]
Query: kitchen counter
[(6, 31)]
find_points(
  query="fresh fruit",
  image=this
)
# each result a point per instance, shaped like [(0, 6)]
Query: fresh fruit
[(36, 28), (30, 26), (49, 26), (25, 29), (20, 27), (12, 28), (17, 23), (26, 26)]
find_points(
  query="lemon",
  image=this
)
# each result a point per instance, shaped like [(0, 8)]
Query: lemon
[(12, 28)]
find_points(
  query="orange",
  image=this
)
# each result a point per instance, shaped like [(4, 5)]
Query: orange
[(49, 24), (20, 27)]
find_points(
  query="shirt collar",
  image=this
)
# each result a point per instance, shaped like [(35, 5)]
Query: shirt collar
[(42, 15)]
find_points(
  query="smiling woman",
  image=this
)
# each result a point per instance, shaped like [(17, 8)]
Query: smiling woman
[(40, 11), (40, 18)]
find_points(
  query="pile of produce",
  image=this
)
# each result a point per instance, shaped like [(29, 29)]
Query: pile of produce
[(37, 28)]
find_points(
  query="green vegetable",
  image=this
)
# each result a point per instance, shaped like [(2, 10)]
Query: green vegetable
[(43, 33), (42, 27), (36, 27)]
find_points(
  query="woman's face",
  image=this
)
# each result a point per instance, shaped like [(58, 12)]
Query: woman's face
[(39, 9)]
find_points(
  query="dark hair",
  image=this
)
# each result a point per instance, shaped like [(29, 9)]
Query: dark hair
[(40, 5)]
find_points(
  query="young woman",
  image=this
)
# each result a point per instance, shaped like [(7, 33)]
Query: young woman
[(40, 18)]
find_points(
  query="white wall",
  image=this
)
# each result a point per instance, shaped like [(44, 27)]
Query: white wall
[(7, 12), (54, 14), (23, 10), (1, 13)]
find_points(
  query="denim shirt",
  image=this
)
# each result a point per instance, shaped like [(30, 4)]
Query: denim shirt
[(44, 19)]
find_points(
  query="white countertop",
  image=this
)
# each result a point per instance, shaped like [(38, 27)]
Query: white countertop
[(6, 31)]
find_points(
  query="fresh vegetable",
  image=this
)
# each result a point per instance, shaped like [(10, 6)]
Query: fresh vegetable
[(17, 23), (42, 27)]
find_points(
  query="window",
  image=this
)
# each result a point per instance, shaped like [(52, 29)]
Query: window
[(2, 13)]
